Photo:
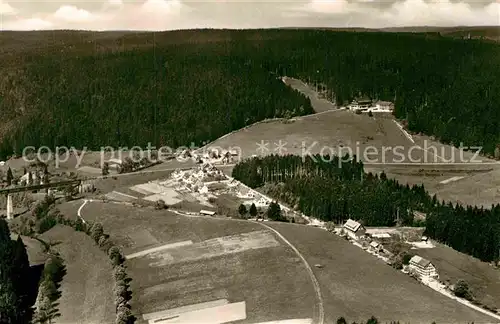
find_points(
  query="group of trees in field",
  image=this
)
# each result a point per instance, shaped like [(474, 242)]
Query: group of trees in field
[(48, 290), (273, 211), (244, 211), (17, 289), (170, 93), (334, 189)]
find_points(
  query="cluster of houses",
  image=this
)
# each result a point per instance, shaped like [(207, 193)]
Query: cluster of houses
[(365, 104), (417, 265), (212, 156), (197, 180)]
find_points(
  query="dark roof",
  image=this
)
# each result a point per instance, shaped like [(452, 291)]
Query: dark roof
[(352, 225), (420, 261)]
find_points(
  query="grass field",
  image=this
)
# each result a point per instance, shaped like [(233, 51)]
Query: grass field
[(87, 287), (483, 279), (34, 248), (271, 280), (357, 285)]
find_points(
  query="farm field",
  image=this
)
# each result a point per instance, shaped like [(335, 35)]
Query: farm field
[(480, 189), (357, 285), (452, 266), (210, 259), (87, 287)]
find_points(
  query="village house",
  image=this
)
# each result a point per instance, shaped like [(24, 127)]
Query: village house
[(354, 229), (419, 216), (422, 266), (376, 246), (360, 104), (115, 164), (384, 105)]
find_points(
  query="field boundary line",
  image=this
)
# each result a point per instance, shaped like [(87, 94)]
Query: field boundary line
[(124, 195), (317, 289), (159, 249), (408, 136)]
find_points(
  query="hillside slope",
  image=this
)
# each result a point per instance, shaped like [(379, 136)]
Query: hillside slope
[(173, 88)]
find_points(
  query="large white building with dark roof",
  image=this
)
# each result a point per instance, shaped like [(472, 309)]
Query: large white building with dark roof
[(422, 266)]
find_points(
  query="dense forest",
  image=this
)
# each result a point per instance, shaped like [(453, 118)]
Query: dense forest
[(338, 190), (174, 88), (17, 283)]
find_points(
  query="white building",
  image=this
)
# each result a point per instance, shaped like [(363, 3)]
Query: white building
[(360, 104), (422, 266), (207, 212), (204, 190), (381, 235), (384, 106), (354, 229), (115, 163)]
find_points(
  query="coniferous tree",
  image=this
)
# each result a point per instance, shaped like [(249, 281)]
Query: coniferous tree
[(253, 210), (331, 191), (274, 211), (242, 210), (22, 281), (10, 177), (15, 306)]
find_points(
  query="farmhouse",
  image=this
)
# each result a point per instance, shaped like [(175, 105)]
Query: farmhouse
[(207, 212), (354, 229), (360, 104), (419, 216), (115, 163), (422, 266), (384, 105)]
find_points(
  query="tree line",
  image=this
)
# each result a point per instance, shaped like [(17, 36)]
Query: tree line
[(335, 189), (169, 92)]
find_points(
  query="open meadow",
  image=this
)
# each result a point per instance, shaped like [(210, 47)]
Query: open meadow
[(177, 261), (483, 279), (87, 287), (358, 285)]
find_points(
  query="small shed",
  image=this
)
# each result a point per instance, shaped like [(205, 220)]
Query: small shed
[(207, 212), (375, 246)]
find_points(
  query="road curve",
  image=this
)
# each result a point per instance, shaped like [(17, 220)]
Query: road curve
[(79, 212), (321, 312)]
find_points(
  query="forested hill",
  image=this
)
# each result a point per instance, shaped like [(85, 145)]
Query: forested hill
[(174, 88)]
